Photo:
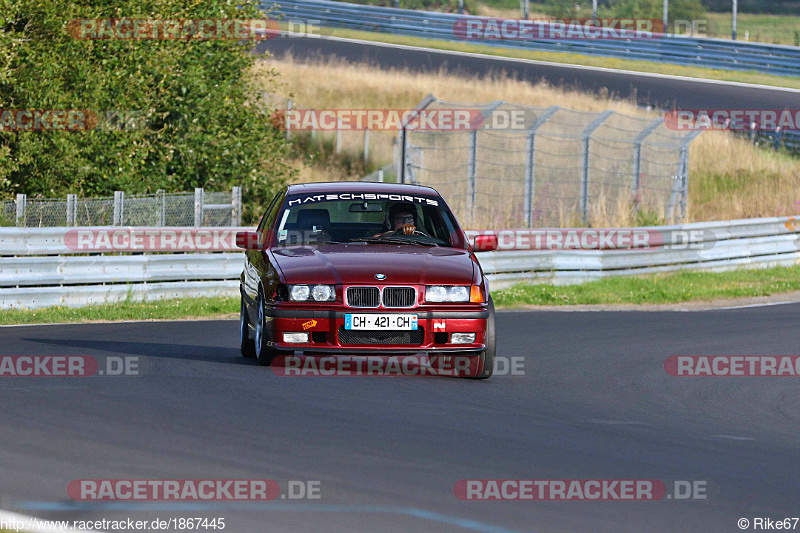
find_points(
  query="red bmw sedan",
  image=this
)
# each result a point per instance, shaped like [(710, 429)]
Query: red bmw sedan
[(353, 268)]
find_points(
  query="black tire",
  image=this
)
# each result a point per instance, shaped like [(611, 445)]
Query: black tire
[(263, 351), (248, 346), (487, 356)]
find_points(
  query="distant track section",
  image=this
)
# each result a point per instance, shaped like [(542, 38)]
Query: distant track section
[(647, 89), (575, 37)]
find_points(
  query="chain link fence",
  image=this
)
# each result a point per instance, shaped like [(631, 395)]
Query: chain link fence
[(199, 208), (531, 166)]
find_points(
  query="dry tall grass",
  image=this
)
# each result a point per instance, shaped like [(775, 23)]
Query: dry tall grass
[(729, 177), (506, 13)]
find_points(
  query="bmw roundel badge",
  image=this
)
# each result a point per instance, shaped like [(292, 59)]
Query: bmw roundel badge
[(380, 277)]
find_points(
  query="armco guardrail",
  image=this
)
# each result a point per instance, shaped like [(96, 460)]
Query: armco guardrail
[(726, 245), (712, 53), (73, 267), (42, 267)]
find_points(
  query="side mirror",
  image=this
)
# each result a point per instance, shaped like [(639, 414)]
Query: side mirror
[(485, 243), (247, 240)]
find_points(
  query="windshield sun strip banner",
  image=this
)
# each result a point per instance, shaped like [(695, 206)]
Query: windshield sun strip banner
[(351, 196)]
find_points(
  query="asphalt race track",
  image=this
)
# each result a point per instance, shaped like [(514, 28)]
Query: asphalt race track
[(662, 92), (595, 403)]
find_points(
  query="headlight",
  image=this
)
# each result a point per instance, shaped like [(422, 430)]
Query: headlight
[(317, 293), (436, 293), (446, 293), (459, 294), (299, 293), (322, 293)]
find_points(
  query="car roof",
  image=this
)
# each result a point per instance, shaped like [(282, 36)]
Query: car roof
[(359, 186)]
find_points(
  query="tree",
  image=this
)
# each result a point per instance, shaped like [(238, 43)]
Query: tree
[(637, 8), (173, 114), (568, 9)]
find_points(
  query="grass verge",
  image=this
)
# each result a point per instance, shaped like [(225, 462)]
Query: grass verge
[(161, 310), (656, 289), (758, 28)]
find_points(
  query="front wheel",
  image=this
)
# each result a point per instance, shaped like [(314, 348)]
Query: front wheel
[(248, 348), (264, 352)]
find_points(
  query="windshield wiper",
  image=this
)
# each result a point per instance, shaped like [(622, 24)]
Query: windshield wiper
[(311, 243), (391, 240)]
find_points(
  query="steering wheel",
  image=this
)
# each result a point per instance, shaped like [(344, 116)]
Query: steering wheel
[(399, 233)]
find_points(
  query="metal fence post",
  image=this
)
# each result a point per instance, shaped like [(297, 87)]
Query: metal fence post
[(587, 133), (119, 206), (530, 155), (236, 206), (530, 152), (472, 161), (72, 204), (366, 144), (637, 160), (198, 207), (285, 119), (20, 218), (471, 168), (684, 177), (161, 203), (401, 171), (403, 137), (338, 135), (380, 175), (673, 195), (683, 169)]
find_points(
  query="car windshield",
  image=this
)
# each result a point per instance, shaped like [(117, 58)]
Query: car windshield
[(367, 218)]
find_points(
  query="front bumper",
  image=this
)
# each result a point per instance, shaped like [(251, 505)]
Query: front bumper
[(327, 334)]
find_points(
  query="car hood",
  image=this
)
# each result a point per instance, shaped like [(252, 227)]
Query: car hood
[(358, 263)]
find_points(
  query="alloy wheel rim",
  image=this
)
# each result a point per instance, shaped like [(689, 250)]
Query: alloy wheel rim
[(242, 325), (259, 325)]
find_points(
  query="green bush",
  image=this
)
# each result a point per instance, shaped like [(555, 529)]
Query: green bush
[(653, 9), (788, 7), (197, 119)]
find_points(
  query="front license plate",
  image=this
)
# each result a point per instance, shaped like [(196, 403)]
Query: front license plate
[(380, 322)]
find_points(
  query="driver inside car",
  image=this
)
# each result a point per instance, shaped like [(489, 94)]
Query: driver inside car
[(402, 219)]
